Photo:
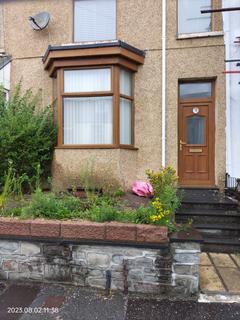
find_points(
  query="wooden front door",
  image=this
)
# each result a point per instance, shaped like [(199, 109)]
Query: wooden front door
[(196, 137)]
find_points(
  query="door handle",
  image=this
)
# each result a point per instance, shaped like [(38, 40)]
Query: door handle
[(182, 143)]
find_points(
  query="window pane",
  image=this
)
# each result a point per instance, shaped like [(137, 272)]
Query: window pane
[(94, 20), (125, 82), (87, 120), (125, 121), (190, 19), (87, 80), (195, 130), (195, 90)]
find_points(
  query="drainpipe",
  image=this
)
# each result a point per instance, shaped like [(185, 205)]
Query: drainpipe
[(164, 9)]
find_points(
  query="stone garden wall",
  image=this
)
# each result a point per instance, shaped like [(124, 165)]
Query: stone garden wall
[(161, 267)]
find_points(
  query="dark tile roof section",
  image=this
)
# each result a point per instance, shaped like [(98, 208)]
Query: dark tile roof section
[(4, 60), (117, 43)]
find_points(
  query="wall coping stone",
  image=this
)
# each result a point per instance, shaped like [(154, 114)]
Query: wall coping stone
[(83, 230)]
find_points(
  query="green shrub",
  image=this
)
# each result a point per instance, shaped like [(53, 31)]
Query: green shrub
[(102, 213), (27, 135), (47, 205), (165, 187), (140, 215), (101, 208)]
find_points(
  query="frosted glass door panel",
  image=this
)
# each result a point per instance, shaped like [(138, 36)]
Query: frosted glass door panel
[(195, 130)]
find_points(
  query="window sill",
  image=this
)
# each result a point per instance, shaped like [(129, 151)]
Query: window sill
[(94, 147), (200, 35)]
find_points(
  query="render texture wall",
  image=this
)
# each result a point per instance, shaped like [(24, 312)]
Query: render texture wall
[(1, 29), (139, 24)]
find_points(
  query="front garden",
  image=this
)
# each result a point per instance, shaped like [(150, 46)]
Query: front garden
[(94, 233), (28, 136)]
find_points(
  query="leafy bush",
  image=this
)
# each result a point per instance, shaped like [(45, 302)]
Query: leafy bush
[(47, 205), (162, 216), (140, 215), (27, 134), (165, 188), (102, 213), (166, 199)]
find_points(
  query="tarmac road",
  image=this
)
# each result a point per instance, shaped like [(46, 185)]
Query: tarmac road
[(62, 302)]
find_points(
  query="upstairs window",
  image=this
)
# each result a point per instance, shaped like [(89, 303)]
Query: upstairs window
[(190, 19), (94, 20)]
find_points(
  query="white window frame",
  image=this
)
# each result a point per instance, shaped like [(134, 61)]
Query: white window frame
[(198, 34)]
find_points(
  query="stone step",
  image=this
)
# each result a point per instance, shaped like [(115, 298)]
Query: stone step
[(200, 205), (219, 230), (206, 199), (209, 212), (207, 219), (208, 216), (214, 215), (223, 244)]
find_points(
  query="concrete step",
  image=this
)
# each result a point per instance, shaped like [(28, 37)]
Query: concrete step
[(200, 205), (206, 199), (223, 244), (208, 216), (218, 230)]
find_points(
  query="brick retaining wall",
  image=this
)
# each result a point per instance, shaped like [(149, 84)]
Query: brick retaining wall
[(110, 231)]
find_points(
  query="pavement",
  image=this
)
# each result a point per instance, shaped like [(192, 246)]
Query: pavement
[(33, 301), (220, 273)]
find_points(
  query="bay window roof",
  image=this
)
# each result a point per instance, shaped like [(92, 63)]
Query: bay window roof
[(92, 54)]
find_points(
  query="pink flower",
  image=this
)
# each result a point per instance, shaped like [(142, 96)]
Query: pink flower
[(142, 189)]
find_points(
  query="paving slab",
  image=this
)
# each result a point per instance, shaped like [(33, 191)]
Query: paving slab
[(236, 258), (222, 260), (204, 259), (209, 280), (231, 277)]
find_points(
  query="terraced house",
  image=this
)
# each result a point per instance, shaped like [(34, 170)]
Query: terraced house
[(136, 84)]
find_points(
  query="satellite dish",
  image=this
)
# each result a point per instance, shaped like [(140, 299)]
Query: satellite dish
[(40, 21)]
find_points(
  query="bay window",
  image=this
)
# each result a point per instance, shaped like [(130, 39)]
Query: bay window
[(94, 92), (97, 107)]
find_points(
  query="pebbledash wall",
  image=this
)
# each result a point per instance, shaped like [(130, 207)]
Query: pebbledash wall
[(193, 58), (111, 256)]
